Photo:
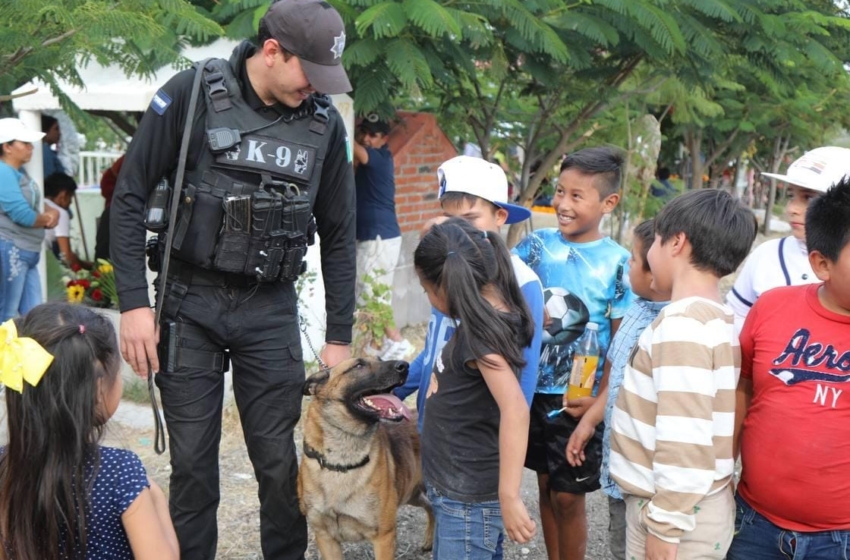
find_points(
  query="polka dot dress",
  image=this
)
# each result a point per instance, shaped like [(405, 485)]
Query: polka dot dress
[(120, 480)]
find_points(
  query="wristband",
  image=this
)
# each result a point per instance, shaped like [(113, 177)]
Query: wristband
[(337, 343)]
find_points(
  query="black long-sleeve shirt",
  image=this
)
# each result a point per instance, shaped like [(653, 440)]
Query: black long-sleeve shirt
[(153, 154)]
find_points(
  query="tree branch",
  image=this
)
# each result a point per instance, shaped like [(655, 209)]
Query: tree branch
[(116, 118), (13, 60)]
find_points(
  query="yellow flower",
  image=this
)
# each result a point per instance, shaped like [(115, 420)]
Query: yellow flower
[(76, 293), (105, 268)]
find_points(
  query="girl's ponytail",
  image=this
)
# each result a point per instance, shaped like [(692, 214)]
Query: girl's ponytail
[(509, 288)]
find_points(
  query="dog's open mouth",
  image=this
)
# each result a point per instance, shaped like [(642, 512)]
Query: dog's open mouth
[(385, 406)]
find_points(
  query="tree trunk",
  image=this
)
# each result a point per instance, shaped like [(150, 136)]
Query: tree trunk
[(694, 140), (780, 148)]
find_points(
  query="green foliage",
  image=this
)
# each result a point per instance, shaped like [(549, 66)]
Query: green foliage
[(136, 391), (374, 315), (49, 40), (726, 76), (432, 18)]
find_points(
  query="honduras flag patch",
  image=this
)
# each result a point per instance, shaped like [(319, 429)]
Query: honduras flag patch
[(160, 102)]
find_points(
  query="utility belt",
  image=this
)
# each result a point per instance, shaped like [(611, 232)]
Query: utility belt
[(260, 233)]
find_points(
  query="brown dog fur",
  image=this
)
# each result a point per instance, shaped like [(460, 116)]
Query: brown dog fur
[(360, 503)]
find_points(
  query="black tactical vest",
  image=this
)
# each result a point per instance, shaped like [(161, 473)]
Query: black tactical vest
[(261, 226)]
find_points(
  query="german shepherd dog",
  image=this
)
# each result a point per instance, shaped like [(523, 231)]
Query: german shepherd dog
[(361, 458)]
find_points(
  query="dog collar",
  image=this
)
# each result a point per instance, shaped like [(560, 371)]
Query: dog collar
[(325, 464)]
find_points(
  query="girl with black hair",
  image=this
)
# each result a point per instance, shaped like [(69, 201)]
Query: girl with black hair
[(475, 430), (62, 495)]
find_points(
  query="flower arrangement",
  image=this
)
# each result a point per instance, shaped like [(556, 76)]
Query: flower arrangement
[(94, 287)]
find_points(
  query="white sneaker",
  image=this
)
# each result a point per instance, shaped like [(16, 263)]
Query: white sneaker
[(398, 350)]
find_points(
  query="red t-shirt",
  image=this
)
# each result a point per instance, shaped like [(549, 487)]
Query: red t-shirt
[(795, 447)]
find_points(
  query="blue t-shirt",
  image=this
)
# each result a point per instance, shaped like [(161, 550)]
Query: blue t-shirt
[(52, 163), (639, 316), (120, 479), (375, 183), (582, 282), (440, 331)]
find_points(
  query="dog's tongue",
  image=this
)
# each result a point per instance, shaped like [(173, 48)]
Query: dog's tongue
[(390, 402)]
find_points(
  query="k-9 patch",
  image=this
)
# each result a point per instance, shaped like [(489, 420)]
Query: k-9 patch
[(160, 102), (272, 155)]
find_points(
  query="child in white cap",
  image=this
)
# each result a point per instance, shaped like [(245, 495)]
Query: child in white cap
[(785, 261)]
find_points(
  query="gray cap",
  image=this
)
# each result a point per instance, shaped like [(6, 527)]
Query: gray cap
[(313, 31)]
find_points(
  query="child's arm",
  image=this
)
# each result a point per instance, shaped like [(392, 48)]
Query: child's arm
[(743, 398), (615, 326), (513, 444), (587, 426), (149, 528), (744, 390), (414, 374)]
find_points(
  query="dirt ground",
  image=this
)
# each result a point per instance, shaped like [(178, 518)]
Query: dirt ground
[(238, 518)]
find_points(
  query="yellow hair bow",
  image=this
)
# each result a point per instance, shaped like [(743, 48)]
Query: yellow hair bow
[(21, 358)]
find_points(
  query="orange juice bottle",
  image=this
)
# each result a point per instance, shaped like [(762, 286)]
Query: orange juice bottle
[(585, 362)]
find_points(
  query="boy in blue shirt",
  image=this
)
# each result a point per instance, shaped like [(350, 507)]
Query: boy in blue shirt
[(378, 232), (477, 191), (640, 315), (585, 276)]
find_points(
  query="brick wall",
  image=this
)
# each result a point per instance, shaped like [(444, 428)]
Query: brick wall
[(419, 146)]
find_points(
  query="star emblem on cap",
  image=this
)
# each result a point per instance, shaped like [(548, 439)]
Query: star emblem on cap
[(339, 45)]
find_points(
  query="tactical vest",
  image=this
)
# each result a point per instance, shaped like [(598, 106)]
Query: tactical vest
[(258, 228)]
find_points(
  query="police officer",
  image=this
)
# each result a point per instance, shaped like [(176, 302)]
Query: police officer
[(267, 154)]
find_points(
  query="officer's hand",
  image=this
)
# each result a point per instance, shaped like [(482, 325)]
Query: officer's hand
[(332, 354), (138, 340)]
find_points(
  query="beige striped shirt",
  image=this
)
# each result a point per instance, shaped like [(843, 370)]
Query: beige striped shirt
[(674, 417)]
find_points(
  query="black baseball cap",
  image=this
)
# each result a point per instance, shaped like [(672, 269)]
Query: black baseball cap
[(373, 124), (313, 31)]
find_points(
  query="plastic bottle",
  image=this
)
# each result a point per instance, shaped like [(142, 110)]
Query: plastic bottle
[(585, 363)]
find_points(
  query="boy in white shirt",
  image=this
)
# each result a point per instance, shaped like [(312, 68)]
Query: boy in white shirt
[(785, 262), (59, 191)]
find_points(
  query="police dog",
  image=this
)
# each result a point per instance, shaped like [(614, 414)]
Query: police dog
[(361, 458)]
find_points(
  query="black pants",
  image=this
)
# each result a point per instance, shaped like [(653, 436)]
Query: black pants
[(259, 328)]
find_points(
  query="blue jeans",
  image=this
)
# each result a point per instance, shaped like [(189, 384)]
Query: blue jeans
[(20, 285), (466, 531), (756, 538)]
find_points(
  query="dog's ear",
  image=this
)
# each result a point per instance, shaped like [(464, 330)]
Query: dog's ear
[(315, 381)]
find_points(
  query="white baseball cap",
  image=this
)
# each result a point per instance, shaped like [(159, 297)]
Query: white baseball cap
[(479, 177), (818, 169), (15, 129)]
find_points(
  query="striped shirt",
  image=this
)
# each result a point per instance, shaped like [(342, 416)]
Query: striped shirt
[(639, 316), (674, 417)]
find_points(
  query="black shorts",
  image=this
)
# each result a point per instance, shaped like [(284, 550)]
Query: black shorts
[(547, 448)]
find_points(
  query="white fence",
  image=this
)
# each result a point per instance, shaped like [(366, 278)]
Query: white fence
[(92, 165)]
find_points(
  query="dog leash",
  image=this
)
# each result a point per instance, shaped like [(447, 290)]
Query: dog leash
[(302, 322), (158, 419)]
